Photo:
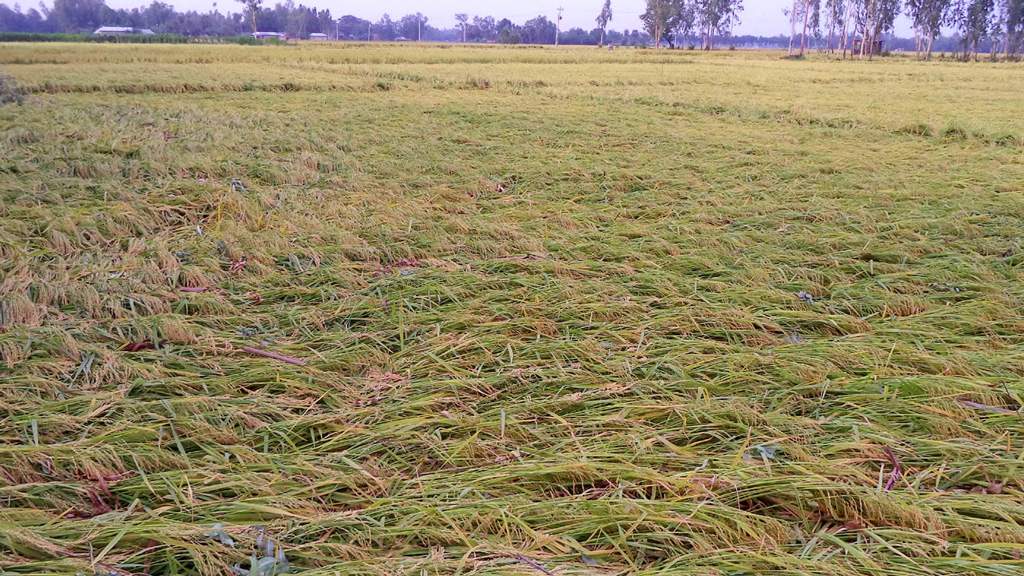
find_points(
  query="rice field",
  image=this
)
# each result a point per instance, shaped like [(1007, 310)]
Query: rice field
[(377, 309)]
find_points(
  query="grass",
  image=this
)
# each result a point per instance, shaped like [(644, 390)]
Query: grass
[(570, 310)]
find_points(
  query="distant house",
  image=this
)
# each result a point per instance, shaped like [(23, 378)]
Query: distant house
[(119, 30), (114, 30), (262, 35), (317, 36)]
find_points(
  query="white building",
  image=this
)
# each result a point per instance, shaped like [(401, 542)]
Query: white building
[(119, 30)]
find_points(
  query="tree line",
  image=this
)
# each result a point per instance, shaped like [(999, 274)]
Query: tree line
[(838, 27), (853, 28), (857, 25), (670, 20), (483, 29), (298, 21), (85, 16)]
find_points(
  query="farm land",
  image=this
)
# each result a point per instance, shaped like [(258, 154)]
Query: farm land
[(378, 309)]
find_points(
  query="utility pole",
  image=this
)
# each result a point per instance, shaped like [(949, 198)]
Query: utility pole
[(558, 25), (419, 29), (369, 26)]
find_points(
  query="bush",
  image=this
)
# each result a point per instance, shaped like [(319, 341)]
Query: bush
[(100, 38), (10, 93), (245, 40)]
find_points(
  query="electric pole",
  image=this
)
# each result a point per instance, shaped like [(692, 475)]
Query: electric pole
[(558, 25), (419, 28)]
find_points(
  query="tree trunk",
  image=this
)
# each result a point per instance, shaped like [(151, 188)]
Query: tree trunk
[(846, 27), (831, 31), (803, 34), (792, 27), (874, 34), (864, 34)]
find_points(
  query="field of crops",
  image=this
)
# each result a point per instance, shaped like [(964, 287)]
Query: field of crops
[(370, 309)]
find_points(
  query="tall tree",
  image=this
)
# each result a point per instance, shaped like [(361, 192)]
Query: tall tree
[(539, 30), (79, 15), (298, 20), (682, 20), (411, 26), (851, 20), (462, 19), (972, 20), (655, 19), (715, 16), (927, 17), (350, 27), (508, 32), (483, 29), (1012, 18), (834, 14), (812, 16), (325, 23), (875, 18), (793, 14), (254, 7), (385, 28), (604, 18), (665, 19)]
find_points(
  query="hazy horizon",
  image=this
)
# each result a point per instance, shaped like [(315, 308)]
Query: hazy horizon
[(759, 17)]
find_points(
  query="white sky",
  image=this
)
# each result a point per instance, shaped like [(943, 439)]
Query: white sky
[(759, 17)]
